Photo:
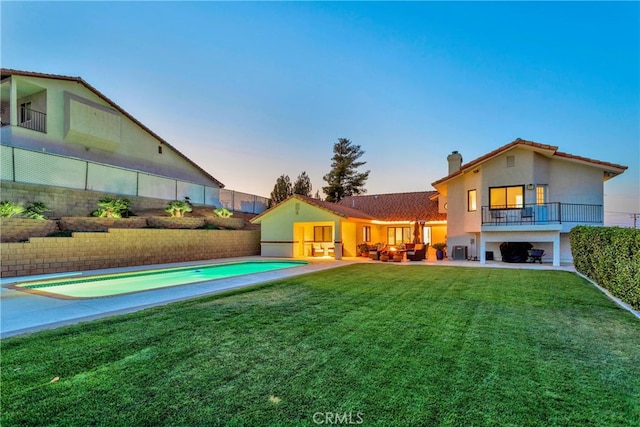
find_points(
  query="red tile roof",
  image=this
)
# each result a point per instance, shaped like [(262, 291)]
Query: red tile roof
[(398, 206), (550, 149), (6, 72)]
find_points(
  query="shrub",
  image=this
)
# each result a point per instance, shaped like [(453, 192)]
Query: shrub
[(36, 210), (610, 256), (112, 208), (178, 208), (9, 209), (223, 212)]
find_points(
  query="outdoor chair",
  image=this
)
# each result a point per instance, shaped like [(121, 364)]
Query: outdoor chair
[(536, 255), (418, 253), (318, 250)]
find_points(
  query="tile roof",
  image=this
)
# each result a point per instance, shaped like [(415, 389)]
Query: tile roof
[(420, 205), (550, 149), (6, 72), (338, 209)]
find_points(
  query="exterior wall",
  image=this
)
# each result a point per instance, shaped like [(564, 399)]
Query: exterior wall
[(350, 238), (288, 230), (123, 248), (575, 183), (567, 181), (116, 140)]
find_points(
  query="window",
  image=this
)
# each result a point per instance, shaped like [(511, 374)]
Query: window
[(366, 233), (541, 194), (511, 161), (398, 235), (25, 112), (471, 201), (506, 197), (322, 234), (426, 235)]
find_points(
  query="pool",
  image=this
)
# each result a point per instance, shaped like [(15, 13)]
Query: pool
[(124, 283)]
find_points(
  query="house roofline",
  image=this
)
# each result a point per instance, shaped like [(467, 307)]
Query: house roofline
[(549, 150), (6, 72)]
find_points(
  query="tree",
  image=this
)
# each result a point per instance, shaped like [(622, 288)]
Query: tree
[(344, 179), (302, 185), (281, 190)]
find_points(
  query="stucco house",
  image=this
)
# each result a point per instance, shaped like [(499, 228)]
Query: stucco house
[(302, 226), (521, 192), (61, 131)]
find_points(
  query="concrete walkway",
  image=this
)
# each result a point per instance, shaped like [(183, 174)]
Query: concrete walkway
[(22, 312)]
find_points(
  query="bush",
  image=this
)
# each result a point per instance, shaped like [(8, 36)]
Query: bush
[(9, 209), (223, 212), (112, 208), (177, 208), (36, 210), (610, 256)]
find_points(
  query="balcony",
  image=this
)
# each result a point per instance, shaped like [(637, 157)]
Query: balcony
[(542, 214), (32, 119)]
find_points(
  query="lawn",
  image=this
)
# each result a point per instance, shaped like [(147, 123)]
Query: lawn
[(370, 344)]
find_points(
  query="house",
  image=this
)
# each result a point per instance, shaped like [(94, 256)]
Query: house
[(60, 131), (521, 192), (301, 226)]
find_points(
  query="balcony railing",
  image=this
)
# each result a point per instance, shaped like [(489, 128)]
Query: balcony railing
[(32, 119), (545, 213)]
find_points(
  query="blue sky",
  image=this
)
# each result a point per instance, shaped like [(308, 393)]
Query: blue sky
[(251, 91)]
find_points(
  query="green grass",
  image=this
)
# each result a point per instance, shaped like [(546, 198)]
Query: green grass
[(391, 345)]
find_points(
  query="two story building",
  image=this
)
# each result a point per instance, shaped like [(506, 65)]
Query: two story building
[(521, 192), (60, 131)]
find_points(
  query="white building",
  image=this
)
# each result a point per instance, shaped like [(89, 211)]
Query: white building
[(521, 192)]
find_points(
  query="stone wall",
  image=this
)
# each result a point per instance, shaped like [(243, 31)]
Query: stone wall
[(123, 248)]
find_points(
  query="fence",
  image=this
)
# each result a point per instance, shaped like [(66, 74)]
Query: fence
[(34, 167)]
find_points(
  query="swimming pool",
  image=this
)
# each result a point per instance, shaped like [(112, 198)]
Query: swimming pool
[(123, 283)]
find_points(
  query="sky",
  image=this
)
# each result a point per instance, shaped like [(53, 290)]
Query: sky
[(254, 90)]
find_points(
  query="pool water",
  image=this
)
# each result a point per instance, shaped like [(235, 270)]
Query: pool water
[(122, 283)]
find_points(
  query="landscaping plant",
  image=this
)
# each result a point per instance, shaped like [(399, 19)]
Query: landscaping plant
[(177, 208), (9, 209), (36, 210), (223, 212), (109, 207)]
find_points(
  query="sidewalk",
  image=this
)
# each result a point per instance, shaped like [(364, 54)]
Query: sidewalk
[(22, 312)]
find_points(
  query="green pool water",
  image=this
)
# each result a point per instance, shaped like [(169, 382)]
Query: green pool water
[(122, 283)]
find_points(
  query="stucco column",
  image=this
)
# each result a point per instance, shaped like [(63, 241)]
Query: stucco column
[(337, 240), (483, 252), (556, 250), (13, 102)]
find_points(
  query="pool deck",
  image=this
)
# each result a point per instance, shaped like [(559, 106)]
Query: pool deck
[(23, 313)]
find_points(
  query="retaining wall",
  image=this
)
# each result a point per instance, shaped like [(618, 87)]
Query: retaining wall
[(123, 248)]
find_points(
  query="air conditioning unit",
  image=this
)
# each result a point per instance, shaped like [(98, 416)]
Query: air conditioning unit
[(459, 253)]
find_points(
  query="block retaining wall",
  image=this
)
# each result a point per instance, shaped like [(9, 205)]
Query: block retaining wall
[(123, 248), (21, 229), (67, 201)]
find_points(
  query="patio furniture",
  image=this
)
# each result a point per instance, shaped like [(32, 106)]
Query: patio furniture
[(419, 253), (317, 250), (376, 251), (536, 255)]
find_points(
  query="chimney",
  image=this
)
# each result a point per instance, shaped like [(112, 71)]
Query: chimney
[(455, 162)]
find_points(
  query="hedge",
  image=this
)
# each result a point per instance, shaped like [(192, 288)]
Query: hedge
[(610, 256)]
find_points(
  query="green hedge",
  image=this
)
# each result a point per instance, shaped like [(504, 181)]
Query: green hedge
[(610, 256)]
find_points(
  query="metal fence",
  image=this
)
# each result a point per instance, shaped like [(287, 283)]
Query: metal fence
[(34, 167)]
